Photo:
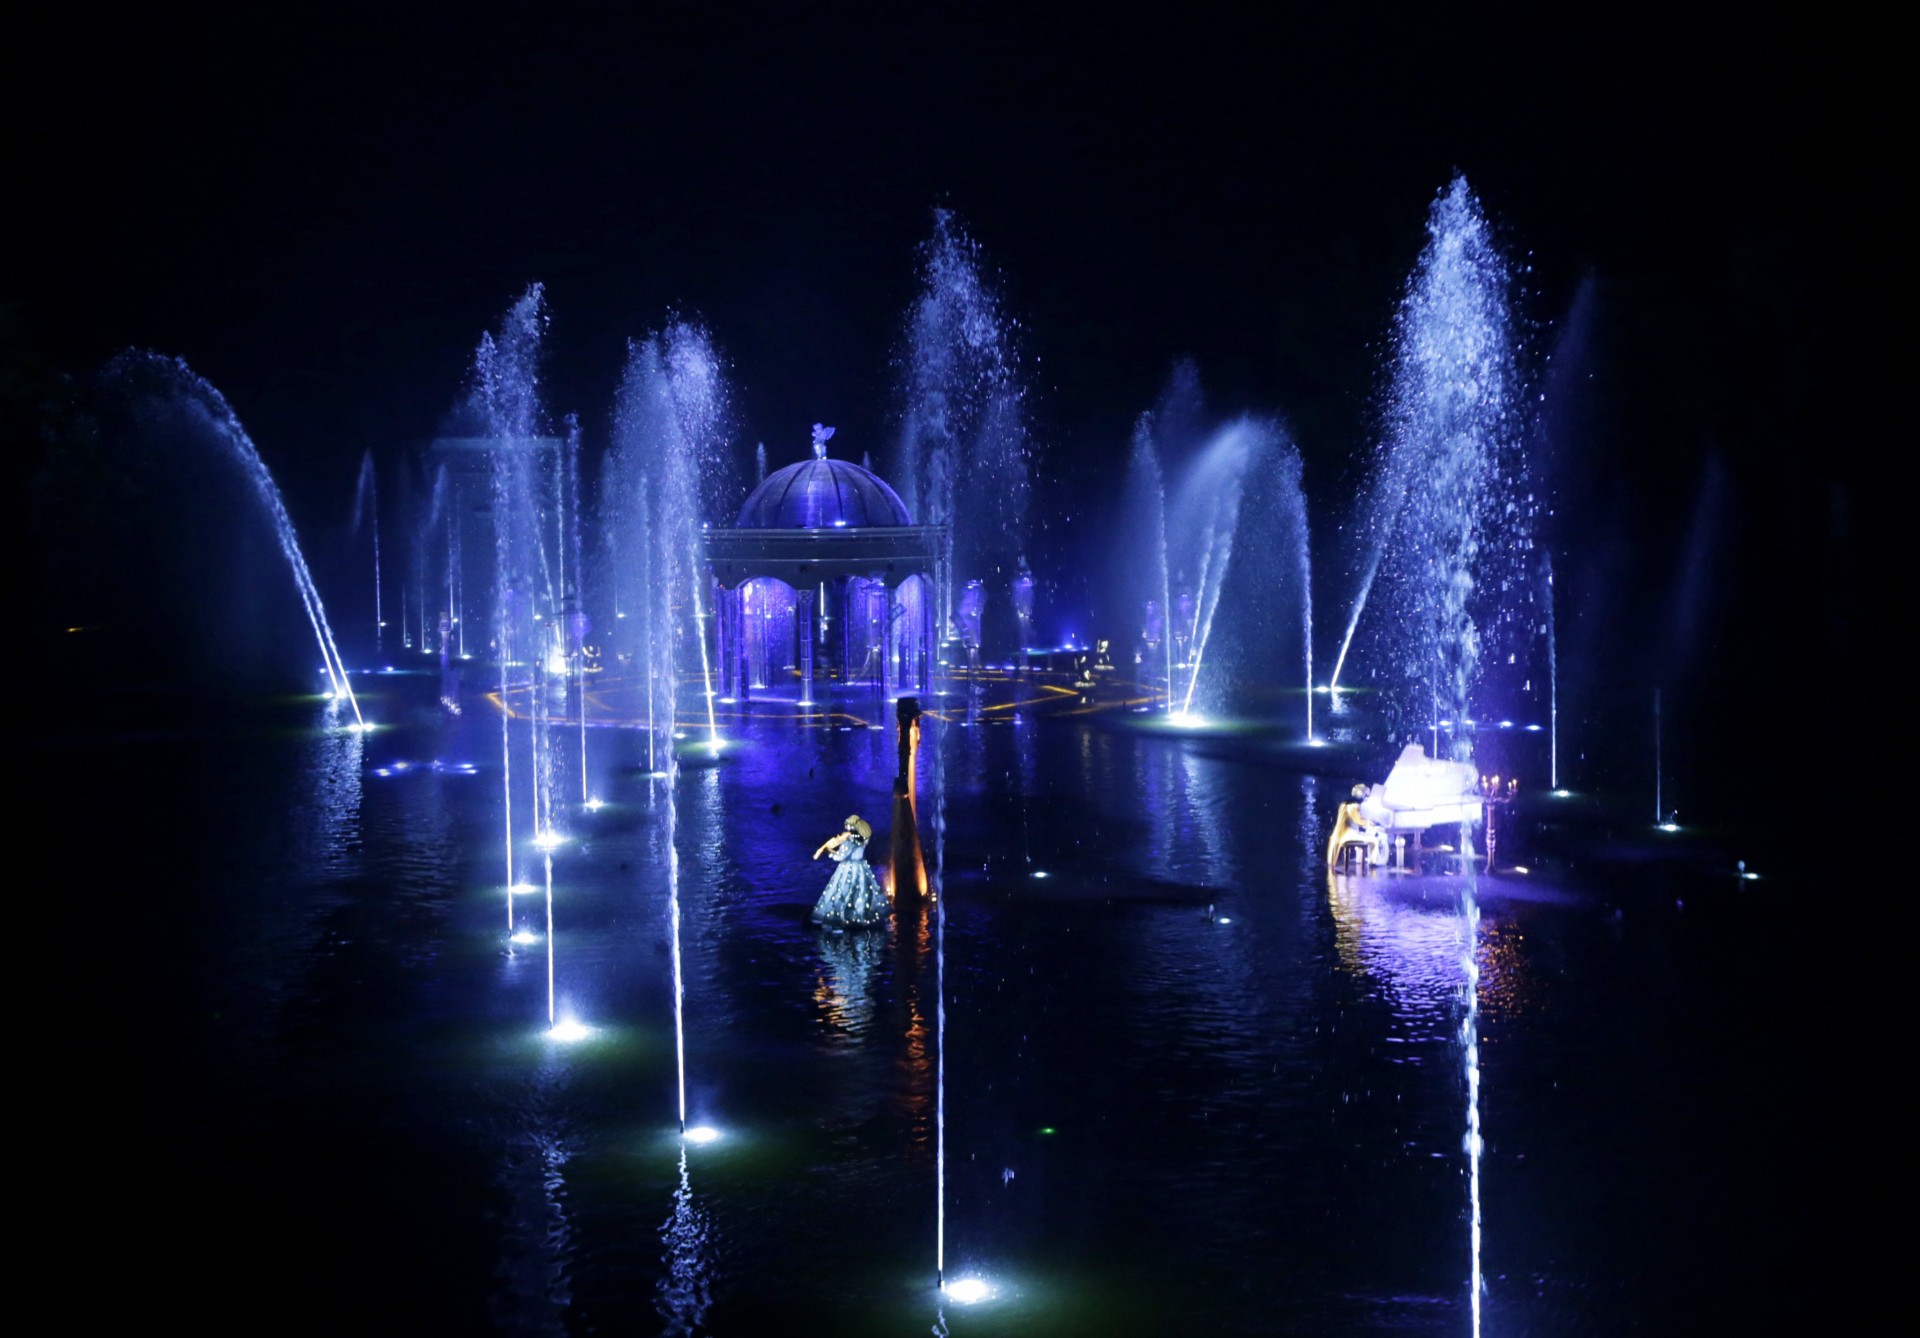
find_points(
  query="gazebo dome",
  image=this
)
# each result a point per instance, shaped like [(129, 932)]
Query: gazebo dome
[(820, 494)]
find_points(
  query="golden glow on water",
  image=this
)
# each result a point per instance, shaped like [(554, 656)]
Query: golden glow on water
[(1403, 931), (618, 701), (916, 1095)]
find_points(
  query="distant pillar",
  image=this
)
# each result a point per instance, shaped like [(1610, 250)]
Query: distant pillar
[(722, 639), (803, 610), (888, 614), (930, 641)]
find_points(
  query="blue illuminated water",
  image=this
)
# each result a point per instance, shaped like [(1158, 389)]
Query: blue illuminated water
[(314, 1043)]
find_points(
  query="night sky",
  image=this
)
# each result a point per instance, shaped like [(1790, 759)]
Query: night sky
[(321, 210)]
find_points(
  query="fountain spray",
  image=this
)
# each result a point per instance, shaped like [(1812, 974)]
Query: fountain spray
[(366, 505), (1553, 685), (1453, 415), (193, 393)]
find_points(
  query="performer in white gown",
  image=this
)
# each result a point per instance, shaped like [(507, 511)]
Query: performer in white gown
[(853, 896)]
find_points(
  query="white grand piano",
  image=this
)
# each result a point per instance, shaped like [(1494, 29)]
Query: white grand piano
[(1422, 792)]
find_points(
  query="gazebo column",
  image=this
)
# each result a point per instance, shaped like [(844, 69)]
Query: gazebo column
[(803, 611), (722, 635), (738, 636), (885, 602), (848, 666), (929, 650)]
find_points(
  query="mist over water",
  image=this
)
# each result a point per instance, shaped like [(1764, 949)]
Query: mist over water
[(1211, 566), (964, 428), (1453, 513)]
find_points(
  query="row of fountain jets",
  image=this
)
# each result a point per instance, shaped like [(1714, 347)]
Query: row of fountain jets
[(1448, 516)]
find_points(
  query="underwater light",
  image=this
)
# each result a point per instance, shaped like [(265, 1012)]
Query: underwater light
[(1187, 719), (1749, 875), (969, 1290), (569, 1031), (1223, 920), (549, 840), (360, 727), (523, 937), (1316, 743), (1669, 826), (1040, 873), (1562, 794), (521, 889), (595, 804), (1521, 868), (703, 1133)]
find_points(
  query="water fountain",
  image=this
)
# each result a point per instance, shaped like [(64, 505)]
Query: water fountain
[(366, 510), (1235, 506), (526, 487), (168, 385), (1553, 675), (667, 462), (964, 431), (1460, 521)]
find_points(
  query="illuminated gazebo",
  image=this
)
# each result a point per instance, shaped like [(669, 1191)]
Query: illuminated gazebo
[(824, 572)]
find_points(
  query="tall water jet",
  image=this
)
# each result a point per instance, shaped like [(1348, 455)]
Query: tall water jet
[(666, 469), (964, 419), (1205, 515), (523, 476), (1292, 500), (1213, 544), (1145, 585), (929, 761), (573, 605), (1553, 679), (170, 384), (366, 510), (1453, 452)]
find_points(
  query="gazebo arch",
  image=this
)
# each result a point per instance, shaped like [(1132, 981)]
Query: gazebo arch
[(860, 569)]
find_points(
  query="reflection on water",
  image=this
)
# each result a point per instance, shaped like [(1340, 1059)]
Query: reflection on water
[(914, 1102), (534, 1276), (1404, 938), (327, 810), (685, 1287), (1403, 932), (843, 987), (1160, 1121)]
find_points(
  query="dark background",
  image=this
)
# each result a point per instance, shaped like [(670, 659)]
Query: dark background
[(320, 209)]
